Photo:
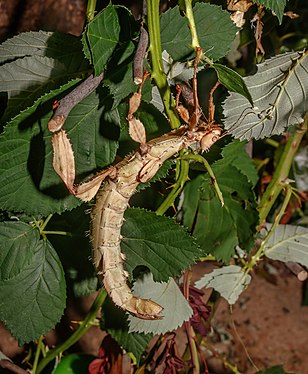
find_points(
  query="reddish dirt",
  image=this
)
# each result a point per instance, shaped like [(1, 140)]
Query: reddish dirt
[(268, 325)]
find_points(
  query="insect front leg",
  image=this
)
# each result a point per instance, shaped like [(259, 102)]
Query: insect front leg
[(64, 165)]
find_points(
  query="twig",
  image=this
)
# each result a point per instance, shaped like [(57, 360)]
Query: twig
[(6, 364), (140, 54), (67, 103), (298, 270)]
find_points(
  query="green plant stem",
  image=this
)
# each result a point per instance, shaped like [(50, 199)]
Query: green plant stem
[(64, 233), (202, 160), (82, 329), (90, 10), (37, 353), (282, 171), (158, 73), (260, 252), (191, 22), (177, 187), (44, 224), (193, 30)]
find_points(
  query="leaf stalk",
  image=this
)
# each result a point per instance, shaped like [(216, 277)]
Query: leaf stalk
[(177, 187)]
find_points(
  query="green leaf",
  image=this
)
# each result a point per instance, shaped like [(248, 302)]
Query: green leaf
[(229, 281), (235, 154), (158, 243), (33, 301), (210, 223), (279, 92), (232, 81), (26, 170), (218, 229), (120, 82), (288, 243), (215, 30), (18, 242), (26, 79), (63, 47), (168, 295), (277, 6), (101, 38), (80, 274), (114, 320)]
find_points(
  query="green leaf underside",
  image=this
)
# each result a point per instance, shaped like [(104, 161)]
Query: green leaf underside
[(33, 301), (279, 93), (232, 81), (277, 6), (102, 36), (229, 281), (18, 242), (168, 295), (288, 243), (26, 170), (215, 31), (158, 243), (56, 59), (60, 46), (218, 230)]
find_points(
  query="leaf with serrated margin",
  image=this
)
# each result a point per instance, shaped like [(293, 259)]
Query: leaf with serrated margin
[(277, 6), (279, 92), (168, 295), (158, 243), (235, 154), (80, 274), (63, 47), (215, 30), (28, 182), (114, 320), (18, 242), (26, 79), (232, 81), (101, 38), (229, 281), (218, 230), (288, 243), (33, 301)]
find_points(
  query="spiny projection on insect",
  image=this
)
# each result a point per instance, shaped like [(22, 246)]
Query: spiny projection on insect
[(113, 187)]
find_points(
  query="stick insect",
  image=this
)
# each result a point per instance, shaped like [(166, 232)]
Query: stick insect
[(114, 187)]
